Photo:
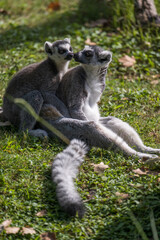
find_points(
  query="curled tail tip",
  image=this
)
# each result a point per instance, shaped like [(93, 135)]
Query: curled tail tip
[(74, 209)]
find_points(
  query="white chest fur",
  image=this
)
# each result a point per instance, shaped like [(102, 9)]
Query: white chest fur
[(93, 89)]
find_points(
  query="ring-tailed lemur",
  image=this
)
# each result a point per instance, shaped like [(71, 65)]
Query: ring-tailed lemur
[(37, 84), (80, 89)]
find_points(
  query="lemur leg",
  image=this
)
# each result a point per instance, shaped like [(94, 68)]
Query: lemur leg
[(125, 131), (27, 122), (94, 135), (50, 98)]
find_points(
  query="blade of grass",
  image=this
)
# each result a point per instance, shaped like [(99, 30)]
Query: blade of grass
[(27, 107), (153, 225), (138, 226)]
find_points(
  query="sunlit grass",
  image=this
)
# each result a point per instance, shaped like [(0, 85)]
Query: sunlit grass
[(25, 162)]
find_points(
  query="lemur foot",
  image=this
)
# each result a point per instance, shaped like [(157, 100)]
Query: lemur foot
[(146, 156), (151, 161), (38, 133), (152, 150)]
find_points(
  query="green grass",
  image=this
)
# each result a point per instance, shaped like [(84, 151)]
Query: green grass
[(25, 162)]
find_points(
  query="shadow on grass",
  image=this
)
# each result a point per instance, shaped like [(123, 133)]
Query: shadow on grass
[(66, 23), (116, 225), (124, 228), (50, 200), (121, 227)]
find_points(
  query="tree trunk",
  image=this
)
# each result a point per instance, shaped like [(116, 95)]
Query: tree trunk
[(145, 11)]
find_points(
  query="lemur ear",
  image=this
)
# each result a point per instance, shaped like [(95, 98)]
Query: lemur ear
[(48, 48), (105, 56), (67, 40)]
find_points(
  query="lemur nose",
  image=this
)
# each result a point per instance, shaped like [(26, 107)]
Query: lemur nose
[(75, 55), (109, 56), (71, 54)]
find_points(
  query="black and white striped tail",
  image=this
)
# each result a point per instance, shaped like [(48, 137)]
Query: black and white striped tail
[(64, 170)]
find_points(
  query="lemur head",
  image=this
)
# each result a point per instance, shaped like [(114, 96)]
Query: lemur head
[(59, 51), (93, 56)]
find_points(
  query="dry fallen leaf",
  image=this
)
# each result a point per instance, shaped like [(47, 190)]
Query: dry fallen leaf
[(100, 168), (125, 99), (6, 223), (122, 195), (12, 230), (48, 236), (54, 6), (89, 42), (127, 61), (27, 230), (139, 171), (3, 11), (155, 82), (41, 213), (155, 76)]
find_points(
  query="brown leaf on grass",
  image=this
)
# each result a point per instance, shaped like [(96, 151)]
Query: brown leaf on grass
[(122, 195), (155, 82), (48, 236), (127, 61), (139, 171), (155, 76), (100, 168), (3, 11), (12, 230), (6, 223), (89, 42), (27, 230), (42, 213), (54, 6), (125, 99)]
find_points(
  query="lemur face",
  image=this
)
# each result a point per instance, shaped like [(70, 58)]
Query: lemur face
[(60, 50), (93, 55)]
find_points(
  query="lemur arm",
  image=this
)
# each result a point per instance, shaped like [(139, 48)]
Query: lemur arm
[(51, 98), (76, 112), (75, 105), (76, 98)]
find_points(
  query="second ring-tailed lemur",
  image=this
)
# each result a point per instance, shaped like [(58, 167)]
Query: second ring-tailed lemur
[(37, 84), (80, 89)]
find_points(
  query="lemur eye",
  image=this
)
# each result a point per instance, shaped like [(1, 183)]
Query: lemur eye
[(88, 53), (62, 50), (70, 49)]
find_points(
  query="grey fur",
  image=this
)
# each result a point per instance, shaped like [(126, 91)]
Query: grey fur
[(73, 87), (64, 170), (98, 135), (37, 84), (109, 133)]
